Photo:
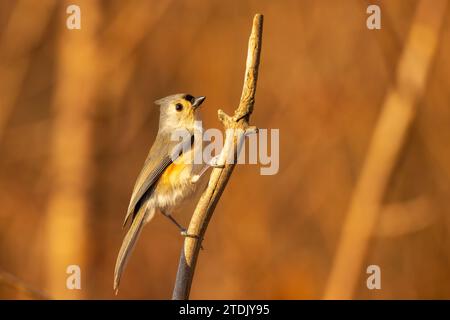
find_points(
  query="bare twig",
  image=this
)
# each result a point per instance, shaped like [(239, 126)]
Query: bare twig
[(391, 131), (219, 176), (18, 285)]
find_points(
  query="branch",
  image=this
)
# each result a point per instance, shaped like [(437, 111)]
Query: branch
[(7, 279), (219, 176)]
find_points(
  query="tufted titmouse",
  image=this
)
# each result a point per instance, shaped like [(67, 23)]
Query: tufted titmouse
[(167, 175)]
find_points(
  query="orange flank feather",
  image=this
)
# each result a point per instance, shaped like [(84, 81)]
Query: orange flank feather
[(171, 174)]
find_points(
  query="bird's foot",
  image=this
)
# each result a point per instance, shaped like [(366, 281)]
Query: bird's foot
[(214, 162), (184, 233)]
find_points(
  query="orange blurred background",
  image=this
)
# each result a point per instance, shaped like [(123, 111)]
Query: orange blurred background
[(77, 119)]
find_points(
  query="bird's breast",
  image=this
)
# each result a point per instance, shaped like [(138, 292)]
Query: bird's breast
[(174, 184)]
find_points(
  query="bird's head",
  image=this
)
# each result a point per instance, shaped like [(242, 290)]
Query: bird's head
[(179, 111)]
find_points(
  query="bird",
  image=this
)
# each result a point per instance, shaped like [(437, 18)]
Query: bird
[(166, 178)]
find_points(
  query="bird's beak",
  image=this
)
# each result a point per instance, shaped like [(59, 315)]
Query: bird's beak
[(198, 101)]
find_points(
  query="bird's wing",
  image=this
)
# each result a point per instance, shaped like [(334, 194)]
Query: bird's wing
[(161, 155)]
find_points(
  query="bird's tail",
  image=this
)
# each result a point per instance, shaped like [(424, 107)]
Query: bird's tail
[(128, 243)]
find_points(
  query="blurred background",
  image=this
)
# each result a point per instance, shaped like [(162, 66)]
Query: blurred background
[(77, 119)]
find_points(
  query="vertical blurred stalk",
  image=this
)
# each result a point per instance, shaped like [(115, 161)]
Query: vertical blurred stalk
[(397, 115), (118, 63), (23, 32), (71, 149)]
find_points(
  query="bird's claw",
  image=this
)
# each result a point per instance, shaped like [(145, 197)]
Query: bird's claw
[(185, 234), (195, 178)]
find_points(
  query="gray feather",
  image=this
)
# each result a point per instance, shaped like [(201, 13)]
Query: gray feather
[(128, 244), (158, 159)]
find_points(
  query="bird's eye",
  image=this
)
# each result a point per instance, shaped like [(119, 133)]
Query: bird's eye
[(178, 107)]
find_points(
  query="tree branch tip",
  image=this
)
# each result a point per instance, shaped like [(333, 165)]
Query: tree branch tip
[(258, 20), (223, 117), (258, 16)]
